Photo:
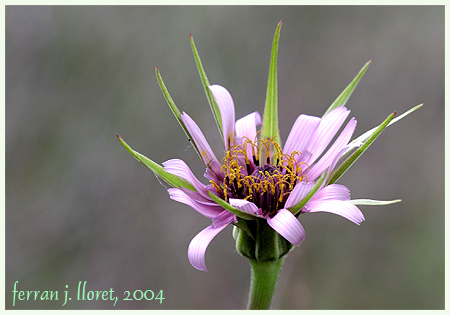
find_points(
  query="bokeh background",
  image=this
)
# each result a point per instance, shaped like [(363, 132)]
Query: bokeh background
[(80, 208)]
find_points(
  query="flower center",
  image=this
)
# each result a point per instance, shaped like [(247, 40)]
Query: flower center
[(250, 174)]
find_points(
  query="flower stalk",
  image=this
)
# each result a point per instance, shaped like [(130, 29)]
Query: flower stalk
[(265, 252), (264, 277)]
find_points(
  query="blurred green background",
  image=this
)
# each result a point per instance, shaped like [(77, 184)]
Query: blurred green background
[(80, 208)]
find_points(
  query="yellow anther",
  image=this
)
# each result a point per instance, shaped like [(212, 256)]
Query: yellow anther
[(277, 179), (216, 187)]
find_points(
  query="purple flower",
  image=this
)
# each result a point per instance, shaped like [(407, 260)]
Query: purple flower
[(262, 179), (258, 180)]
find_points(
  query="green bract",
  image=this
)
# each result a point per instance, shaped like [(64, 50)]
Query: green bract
[(269, 127), (174, 108), (370, 202), (171, 179), (212, 101), (342, 99)]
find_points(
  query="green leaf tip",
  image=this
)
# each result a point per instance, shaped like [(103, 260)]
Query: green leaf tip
[(355, 155), (370, 202), (269, 127), (172, 180), (167, 96), (342, 99), (173, 107), (368, 133), (212, 101)]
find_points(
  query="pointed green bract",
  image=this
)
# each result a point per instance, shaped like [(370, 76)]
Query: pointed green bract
[(269, 127), (174, 108), (241, 224), (370, 202), (342, 99), (212, 101), (367, 134), (299, 206), (355, 155), (171, 179), (233, 210)]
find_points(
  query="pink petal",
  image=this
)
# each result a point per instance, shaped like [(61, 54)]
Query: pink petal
[(332, 192), (214, 172), (301, 134), (288, 226), (223, 218), (180, 168), (328, 127), (198, 245), (298, 193), (207, 201), (200, 141), (345, 209), (226, 107), (246, 126), (246, 130), (209, 211), (244, 205), (328, 158)]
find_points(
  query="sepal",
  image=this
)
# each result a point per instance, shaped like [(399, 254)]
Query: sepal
[(267, 245)]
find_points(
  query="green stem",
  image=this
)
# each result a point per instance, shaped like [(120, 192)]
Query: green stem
[(263, 281)]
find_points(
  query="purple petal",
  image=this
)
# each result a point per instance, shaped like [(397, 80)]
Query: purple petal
[(180, 168), (205, 210), (332, 192), (244, 205), (288, 226), (198, 245), (214, 172), (246, 130), (301, 134), (328, 127), (345, 209), (207, 201), (223, 218), (226, 107), (200, 141), (328, 158), (246, 126), (298, 193)]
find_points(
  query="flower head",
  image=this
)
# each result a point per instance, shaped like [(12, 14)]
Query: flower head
[(258, 177), (259, 180)]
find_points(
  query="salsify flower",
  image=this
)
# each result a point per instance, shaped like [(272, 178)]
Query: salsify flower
[(260, 185), (260, 178)]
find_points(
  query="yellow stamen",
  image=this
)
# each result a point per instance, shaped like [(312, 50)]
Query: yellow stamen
[(268, 180)]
